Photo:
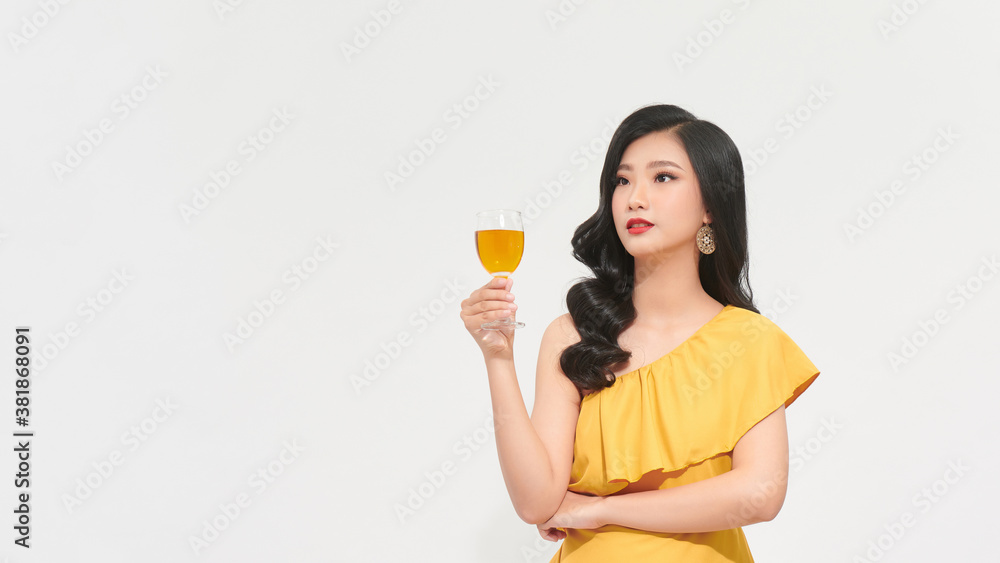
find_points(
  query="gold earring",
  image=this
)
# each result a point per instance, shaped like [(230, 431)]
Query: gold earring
[(705, 240)]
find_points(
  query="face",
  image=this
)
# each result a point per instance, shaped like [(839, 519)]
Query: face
[(656, 182)]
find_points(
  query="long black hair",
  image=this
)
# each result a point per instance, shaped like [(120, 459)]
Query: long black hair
[(601, 306)]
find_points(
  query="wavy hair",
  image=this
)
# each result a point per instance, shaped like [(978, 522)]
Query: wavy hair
[(601, 306)]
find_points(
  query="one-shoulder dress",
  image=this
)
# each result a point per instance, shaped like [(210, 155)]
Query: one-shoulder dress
[(681, 415)]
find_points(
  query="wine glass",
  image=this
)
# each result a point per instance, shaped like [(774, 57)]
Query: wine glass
[(500, 244)]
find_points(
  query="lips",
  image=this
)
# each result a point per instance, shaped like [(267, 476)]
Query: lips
[(637, 221)]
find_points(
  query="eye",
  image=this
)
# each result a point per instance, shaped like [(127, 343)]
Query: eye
[(618, 181), (665, 175)]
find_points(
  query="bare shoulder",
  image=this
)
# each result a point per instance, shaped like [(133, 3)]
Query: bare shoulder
[(563, 330), (559, 335)]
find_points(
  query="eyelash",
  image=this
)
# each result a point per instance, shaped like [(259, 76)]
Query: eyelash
[(671, 176)]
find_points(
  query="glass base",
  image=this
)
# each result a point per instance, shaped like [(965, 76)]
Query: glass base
[(501, 324)]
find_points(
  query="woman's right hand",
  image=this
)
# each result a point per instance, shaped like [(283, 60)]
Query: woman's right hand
[(551, 534), (489, 303)]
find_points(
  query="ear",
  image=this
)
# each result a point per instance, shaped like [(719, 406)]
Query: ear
[(707, 218)]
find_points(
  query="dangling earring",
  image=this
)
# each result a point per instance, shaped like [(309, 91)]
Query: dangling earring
[(705, 240)]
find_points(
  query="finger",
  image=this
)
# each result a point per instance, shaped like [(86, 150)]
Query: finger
[(496, 295), (487, 300), (508, 329), (490, 316), (474, 322), (489, 291), (495, 306), (499, 283)]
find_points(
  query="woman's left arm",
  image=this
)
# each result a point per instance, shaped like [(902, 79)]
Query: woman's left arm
[(753, 491)]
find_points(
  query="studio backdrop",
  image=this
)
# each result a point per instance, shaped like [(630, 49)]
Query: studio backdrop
[(235, 236)]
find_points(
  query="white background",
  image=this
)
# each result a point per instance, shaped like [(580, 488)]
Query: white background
[(561, 83)]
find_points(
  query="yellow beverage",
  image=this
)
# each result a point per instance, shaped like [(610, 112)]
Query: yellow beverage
[(500, 250)]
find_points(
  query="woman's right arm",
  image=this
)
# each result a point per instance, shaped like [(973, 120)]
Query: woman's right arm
[(536, 452)]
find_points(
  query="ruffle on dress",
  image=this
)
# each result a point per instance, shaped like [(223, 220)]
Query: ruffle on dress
[(690, 405)]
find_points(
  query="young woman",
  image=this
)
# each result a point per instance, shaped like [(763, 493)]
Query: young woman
[(658, 429)]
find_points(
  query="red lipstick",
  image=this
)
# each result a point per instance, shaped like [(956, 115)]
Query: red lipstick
[(638, 225)]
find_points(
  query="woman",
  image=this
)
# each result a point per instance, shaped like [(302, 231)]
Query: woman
[(658, 429)]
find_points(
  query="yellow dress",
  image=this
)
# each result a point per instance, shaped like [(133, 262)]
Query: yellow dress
[(676, 421)]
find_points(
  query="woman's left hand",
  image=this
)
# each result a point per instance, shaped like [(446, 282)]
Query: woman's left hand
[(576, 511)]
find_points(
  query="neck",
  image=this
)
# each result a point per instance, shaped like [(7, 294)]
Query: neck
[(668, 291)]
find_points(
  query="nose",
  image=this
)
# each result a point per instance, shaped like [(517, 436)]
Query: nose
[(637, 197)]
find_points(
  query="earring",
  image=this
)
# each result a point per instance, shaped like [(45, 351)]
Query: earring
[(705, 240)]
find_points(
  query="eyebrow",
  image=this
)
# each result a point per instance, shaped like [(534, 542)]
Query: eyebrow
[(654, 164)]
